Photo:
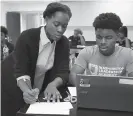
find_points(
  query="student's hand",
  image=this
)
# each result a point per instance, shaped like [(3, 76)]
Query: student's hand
[(79, 35), (51, 92), (30, 96)]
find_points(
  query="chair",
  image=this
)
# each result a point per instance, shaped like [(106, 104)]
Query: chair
[(11, 96)]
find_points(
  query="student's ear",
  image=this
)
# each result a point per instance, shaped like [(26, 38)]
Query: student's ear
[(46, 19)]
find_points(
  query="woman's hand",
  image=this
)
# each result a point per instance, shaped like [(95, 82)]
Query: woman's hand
[(30, 96), (52, 93)]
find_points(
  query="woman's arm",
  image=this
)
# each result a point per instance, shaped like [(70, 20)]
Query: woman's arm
[(63, 67), (22, 60), (22, 69)]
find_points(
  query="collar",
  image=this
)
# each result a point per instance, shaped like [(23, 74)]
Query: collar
[(43, 37)]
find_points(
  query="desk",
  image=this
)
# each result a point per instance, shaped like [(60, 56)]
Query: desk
[(76, 49), (81, 112)]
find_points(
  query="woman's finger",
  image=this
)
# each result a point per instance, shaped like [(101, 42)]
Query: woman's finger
[(48, 97)]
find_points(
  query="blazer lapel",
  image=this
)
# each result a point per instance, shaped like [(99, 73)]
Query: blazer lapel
[(35, 50)]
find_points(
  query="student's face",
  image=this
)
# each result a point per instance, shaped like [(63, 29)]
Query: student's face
[(106, 39), (2, 37), (76, 33), (121, 36), (56, 25)]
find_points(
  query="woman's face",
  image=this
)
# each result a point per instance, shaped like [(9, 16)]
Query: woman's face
[(56, 25)]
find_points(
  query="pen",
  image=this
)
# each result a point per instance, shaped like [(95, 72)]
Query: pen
[(31, 89), (37, 99), (68, 93)]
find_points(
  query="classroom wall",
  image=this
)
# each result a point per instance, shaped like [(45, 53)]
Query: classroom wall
[(13, 25), (3, 14), (83, 14)]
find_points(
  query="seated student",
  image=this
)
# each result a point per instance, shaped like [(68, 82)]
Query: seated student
[(77, 38), (123, 40), (6, 47), (105, 58), (42, 56)]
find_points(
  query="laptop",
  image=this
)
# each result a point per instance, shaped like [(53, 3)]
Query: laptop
[(102, 92)]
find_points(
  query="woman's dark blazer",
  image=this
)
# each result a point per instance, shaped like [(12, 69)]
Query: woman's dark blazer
[(26, 54), (23, 62)]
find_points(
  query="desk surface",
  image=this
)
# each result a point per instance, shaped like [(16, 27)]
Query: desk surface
[(81, 112)]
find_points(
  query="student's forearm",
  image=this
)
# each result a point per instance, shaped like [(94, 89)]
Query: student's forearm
[(82, 40), (72, 79), (24, 85)]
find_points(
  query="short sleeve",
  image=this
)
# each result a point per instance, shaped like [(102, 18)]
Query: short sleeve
[(129, 67), (83, 58)]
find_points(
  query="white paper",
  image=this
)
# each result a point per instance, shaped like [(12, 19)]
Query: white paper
[(126, 81), (50, 108), (72, 91)]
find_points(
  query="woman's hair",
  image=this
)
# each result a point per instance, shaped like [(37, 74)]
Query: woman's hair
[(54, 7), (123, 30), (4, 30), (79, 31), (108, 21)]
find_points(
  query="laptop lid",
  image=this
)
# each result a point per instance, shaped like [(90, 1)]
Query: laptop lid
[(102, 92)]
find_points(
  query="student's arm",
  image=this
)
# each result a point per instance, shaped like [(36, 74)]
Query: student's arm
[(129, 66), (74, 71), (82, 39), (79, 66), (127, 42)]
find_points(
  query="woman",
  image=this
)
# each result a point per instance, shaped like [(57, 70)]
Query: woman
[(42, 56)]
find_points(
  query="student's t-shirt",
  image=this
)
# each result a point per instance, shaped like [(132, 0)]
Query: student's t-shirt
[(120, 63)]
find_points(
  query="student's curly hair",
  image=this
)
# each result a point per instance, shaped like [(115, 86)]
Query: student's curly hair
[(54, 7), (4, 30), (124, 30), (108, 21)]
